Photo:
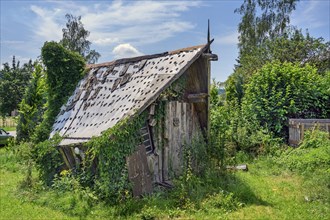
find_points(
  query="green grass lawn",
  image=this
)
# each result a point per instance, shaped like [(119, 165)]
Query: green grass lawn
[(9, 128), (264, 192)]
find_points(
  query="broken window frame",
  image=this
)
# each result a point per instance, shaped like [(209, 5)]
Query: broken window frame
[(147, 131)]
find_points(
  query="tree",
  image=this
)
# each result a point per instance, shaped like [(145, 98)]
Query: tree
[(75, 39), (293, 47), (262, 23), (279, 91), (272, 21), (13, 81), (64, 69), (32, 106)]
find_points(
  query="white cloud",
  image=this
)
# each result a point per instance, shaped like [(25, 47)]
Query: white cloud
[(309, 16), (10, 42), (125, 50), (229, 39), (106, 40), (46, 27), (137, 22)]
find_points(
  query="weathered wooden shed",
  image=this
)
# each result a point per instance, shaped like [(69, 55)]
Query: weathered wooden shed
[(124, 88)]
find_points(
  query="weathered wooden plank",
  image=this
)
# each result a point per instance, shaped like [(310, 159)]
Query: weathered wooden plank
[(184, 136), (66, 161), (138, 172), (198, 97), (305, 121)]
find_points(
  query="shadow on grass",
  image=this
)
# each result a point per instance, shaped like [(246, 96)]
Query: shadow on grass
[(220, 191), (231, 183)]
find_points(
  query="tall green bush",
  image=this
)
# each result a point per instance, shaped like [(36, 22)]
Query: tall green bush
[(48, 159), (279, 91), (63, 71), (32, 106)]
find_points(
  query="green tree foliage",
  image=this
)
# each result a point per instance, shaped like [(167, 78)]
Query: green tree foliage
[(48, 159), (262, 20), (293, 46), (75, 39), (279, 91), (217, 95), (13, 81), (64, 69), (32, 106), (235, 87)]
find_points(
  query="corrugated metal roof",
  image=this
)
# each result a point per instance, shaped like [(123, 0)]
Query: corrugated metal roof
[(112, 91)]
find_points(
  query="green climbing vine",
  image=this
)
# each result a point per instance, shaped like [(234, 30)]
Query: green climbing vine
[(175, 91), (110, 150), (64, 69)]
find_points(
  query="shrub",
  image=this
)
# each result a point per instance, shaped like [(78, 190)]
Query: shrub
[(32, 105), (279, 91), (48, 159), (313, 153)]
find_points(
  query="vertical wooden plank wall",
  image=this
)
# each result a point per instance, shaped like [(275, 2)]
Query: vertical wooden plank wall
[(181, 124), (138, 172)]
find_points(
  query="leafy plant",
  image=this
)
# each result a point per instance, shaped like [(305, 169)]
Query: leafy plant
[(75, 39), (13, 81), (63, 71), (284, 90), (313, 153), (32, 105), (111, 150), (48, 159)]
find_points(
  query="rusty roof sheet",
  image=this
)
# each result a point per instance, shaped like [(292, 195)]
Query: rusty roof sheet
[(115, 90)]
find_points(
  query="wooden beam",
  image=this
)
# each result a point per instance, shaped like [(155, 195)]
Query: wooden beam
[(197, 98), (210, 56)]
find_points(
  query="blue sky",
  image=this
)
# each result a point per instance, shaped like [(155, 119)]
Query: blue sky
[(131, 28)]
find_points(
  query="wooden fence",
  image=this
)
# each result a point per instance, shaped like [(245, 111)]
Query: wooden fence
[(297, 127), (7, 122)]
